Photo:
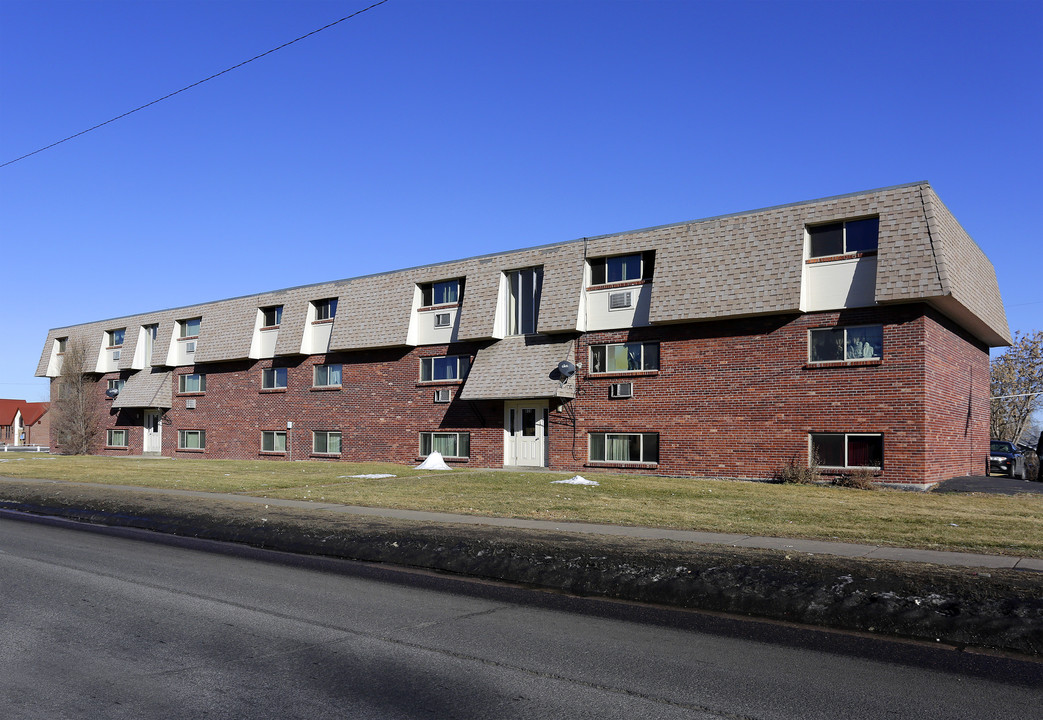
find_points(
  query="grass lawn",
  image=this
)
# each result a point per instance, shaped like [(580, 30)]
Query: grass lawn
[(1011, 525)]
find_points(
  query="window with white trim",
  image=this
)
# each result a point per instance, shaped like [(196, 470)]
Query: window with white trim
[(622, 268), (848, 450), (190, 327), (62, 344), (523, 300), (194, 383), (273, 441), (624, 357), (449, 444), (116, 384), (151, 333), (325, 309), (114, 338), (325, 442), (116, 438), (444, 292), (865, 342), (841, 238), (272, 316), (275, 379), (191, 439), (450, 367), (624, 447), (327, 375)]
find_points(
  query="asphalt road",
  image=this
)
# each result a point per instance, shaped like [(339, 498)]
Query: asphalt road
[(98, 626)]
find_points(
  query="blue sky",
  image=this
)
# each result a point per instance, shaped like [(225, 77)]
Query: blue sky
[(420, 132)]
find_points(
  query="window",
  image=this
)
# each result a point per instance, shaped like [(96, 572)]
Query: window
[(852, 343), (327, 375), (115, 337), (844, 237), (452, 367), (190, 327), (272, 316), (621, 268), (624, 357), (116, 385), (449, 445), (325, 309), (195, 383), (62, 344), (848, 450), (442, 293), (191, 439), (325, 442), (523, 304), (151, 332), (273, 441), (275, 378), (116, 438), (624, 447)]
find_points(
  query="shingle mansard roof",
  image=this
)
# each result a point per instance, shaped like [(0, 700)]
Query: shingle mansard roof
[(730, 266)]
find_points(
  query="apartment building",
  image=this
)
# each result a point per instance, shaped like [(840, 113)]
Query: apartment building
[(854, 328)]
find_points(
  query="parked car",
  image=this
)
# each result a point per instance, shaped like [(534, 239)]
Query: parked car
[(1004, 457)]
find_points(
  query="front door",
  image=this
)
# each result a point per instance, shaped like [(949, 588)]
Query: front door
[(525, 433), (153, 431)]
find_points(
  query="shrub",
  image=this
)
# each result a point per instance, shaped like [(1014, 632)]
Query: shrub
[(861, 479), (796, 472)]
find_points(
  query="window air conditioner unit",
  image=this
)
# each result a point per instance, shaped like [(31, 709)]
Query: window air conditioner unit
[(622, 390), (190, 403), (443, 319), (442, 396), (115, 354), (190, 346), (620, 300)]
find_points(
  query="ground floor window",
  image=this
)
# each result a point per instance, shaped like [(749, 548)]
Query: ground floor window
[(624, 447), (325, 442), (450, 445), (848, 450), (116, 438), (274, 441), (191, 439)]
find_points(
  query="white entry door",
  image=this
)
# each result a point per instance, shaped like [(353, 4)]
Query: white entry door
[(153, 431), (525, 433)]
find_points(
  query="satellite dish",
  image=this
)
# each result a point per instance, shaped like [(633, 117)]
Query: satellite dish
[(566, 369), (112, 392)]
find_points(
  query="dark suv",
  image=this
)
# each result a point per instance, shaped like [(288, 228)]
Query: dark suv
[(1004, 457)]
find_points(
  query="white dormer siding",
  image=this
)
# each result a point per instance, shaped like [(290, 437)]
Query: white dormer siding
[(265, 332), (840, 261), (435, 318), (318, 326)]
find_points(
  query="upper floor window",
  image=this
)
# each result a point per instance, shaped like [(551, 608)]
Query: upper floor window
[(116, 385), (621, 268), (327, 375), (114, 338), (195, 383), (272, 316), (846, 343), (452, 367), (844, 237), (325, 309), (275, 378), (62, 344), (445, 292), (190, 327), (151, 333), (523, 303), (624, 357)]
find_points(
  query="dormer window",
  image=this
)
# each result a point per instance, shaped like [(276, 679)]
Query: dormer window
[(446, 292), (114, 338), (842, 238), (272, 316), (325, 309), (523, 302), (189, 328), (63, 343), (622, 268)]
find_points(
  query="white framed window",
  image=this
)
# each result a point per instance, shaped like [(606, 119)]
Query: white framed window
[(624, 357), (116, 384), (272, 316), (325, 309), (275, 379), (624, 447), (325, 442), (450, 367), (63, 343), (450, 444), (327, 375), (523, 301), (841, 238), (273, 441), (848, 450), (191, 439), (190, 327), (114, 338), (445, 292), (116, 438), (194, 383), (622, 268), (151, 333), (863, 342)]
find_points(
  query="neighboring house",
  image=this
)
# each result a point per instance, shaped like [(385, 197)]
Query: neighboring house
[(24, 423), (855, 327)]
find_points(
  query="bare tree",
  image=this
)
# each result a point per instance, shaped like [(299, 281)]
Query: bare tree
[(1017, 386), (74, 422)]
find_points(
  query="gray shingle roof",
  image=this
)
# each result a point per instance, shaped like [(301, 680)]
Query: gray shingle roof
[(521, 366), (146, 389)]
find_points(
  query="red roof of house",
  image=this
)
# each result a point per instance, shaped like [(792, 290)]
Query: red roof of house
[(31, 412)]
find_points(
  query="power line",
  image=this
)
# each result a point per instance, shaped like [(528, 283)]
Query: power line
[(189, 87)]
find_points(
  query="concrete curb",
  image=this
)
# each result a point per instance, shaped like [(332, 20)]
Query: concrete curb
[(999, 608)]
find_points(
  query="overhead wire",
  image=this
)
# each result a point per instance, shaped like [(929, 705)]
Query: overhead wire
[(195, 84)]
